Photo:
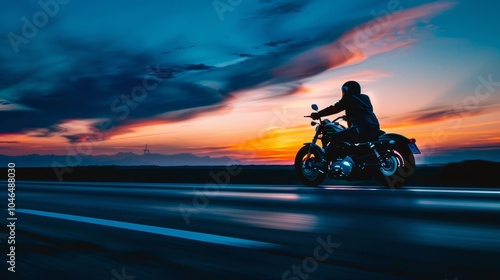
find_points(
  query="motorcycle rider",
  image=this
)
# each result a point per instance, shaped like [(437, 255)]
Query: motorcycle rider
[(361, 120)]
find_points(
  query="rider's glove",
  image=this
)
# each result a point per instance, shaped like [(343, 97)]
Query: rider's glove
[(315, 116)]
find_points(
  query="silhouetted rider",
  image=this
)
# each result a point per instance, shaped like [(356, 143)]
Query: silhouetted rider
[(361, 120)]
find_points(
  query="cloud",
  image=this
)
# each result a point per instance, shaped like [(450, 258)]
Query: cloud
[(377, 36), (243, 54), (169, 73), (78, 138), (277, 43), (48, 132), (278, 144), (486, 147), (297, 88), (305, 59), (443, 155), (178, 49), (196, 67), (182, 48), (445, 113), (85, 91), (281, 8), (88, 82)]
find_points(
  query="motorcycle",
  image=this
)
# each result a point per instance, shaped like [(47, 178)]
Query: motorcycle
[(388, 157)]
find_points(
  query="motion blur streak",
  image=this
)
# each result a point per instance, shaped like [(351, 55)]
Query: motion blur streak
[(267, 219), (278, 196), (439, 234), (455, 191), (462, 204)]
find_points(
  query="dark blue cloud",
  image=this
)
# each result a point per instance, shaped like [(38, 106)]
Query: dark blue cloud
[(243, 54), (76, 70), (277, 43), (280, 8), (98, 83), (196, 67), (93, 86)]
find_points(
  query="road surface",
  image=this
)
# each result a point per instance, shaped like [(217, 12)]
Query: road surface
[(131, 231)]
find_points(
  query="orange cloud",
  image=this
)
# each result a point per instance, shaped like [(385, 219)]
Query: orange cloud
[(383, 34), (275, 146), (448, 114)]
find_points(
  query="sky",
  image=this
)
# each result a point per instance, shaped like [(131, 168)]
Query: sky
[(235, 77)]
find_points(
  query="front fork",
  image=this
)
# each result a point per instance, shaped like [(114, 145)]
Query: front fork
[(311, 145)]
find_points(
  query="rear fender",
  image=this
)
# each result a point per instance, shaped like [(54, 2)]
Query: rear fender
[(396, 137), (401, 141)]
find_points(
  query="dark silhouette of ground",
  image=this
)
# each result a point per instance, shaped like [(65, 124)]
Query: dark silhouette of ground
[(473, 172), (469, 173)]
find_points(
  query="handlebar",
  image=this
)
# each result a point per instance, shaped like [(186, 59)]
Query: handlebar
[(339, 118)]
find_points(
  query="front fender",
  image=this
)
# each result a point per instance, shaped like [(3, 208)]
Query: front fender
[(315, 146)]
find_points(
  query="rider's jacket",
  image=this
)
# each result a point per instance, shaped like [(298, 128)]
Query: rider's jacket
[(358, 109)]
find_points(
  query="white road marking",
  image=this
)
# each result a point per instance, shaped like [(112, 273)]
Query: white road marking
[(455, 191), (413, 189), (196, 236)]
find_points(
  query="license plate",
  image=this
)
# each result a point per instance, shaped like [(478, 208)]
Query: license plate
[(413, 148)]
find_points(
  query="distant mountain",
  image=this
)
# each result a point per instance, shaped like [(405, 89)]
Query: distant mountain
[(124, 159)]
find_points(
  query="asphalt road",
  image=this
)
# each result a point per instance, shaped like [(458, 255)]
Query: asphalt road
[(136, 231)]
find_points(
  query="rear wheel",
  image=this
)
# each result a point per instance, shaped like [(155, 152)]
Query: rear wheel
[(397, 169), (308, 167)]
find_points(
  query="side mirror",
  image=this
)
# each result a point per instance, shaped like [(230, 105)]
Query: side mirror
[(314, 107)]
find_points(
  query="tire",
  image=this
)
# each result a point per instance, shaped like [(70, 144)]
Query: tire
[(399, 168), (309, 176)]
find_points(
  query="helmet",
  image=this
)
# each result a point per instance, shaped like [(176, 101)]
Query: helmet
[(351, 87)]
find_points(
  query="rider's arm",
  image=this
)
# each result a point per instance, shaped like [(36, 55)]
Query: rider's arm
[(334, 109)]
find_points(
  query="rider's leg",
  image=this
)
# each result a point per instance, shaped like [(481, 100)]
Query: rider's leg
[(347, 135), (368, 133)]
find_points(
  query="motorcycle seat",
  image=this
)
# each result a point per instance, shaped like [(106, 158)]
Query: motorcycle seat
[(372, 137), (379, 133)]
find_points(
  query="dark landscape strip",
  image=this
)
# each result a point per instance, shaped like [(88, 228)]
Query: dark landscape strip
[(468, 174)]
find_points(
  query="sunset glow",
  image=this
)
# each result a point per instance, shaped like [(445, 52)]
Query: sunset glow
[(182, 80)]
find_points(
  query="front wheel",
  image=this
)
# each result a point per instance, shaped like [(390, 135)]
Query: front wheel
[(397, 169), (308, 167)]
